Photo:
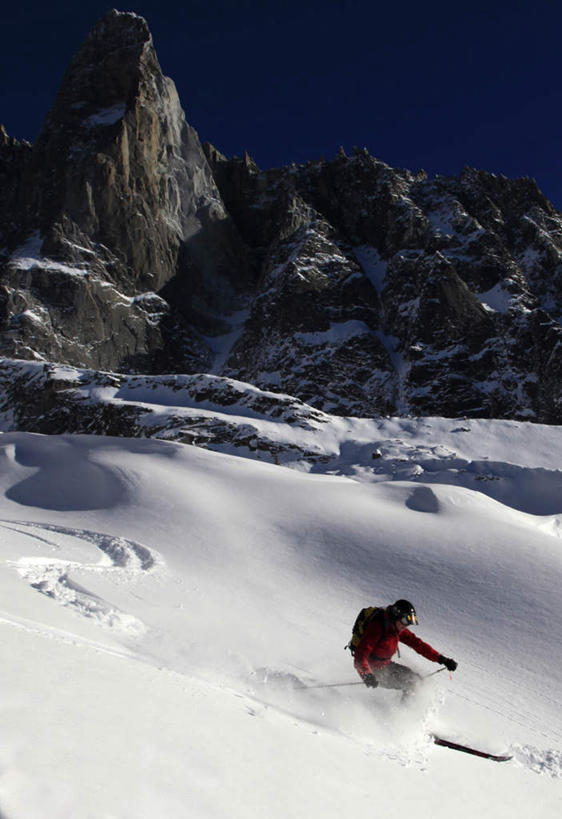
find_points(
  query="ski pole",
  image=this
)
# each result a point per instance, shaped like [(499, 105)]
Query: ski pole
[(340, 685), (434, 672), (332, 685)]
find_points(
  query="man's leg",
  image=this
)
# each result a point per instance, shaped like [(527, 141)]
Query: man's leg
[(400, 677)]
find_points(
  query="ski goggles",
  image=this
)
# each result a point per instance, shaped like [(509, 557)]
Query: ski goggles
[(409, 619)]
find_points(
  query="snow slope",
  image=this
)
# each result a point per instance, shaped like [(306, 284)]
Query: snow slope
[(165, 612)]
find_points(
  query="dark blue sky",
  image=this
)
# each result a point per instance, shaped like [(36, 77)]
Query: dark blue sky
[(434, 85)]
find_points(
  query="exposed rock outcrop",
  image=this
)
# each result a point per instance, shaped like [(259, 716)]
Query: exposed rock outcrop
[(201, 410)]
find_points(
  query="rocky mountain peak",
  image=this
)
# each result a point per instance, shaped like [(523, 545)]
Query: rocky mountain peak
[(105, 73), (118, 158)]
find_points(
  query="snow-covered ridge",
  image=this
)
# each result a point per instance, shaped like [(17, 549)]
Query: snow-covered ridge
[(228, 416)]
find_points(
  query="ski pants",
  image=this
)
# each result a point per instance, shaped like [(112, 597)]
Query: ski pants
[(394, 675)]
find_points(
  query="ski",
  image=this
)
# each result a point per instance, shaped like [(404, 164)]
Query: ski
[(456, 746)]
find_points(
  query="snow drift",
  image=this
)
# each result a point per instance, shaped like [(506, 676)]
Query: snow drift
[(168, 611)]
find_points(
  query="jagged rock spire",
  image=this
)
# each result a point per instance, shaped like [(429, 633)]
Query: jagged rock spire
[(118, 159), (106, 70)]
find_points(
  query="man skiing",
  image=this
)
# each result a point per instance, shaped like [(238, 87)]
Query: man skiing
[(384, 629)]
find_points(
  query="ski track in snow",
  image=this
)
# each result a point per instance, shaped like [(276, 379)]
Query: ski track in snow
[(65, 637), (541, 762), (51, 576)]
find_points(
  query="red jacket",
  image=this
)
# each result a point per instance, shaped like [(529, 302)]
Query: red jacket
[(380, 642)]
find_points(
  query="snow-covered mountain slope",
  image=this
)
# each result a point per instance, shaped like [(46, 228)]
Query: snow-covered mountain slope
[(166, 610)]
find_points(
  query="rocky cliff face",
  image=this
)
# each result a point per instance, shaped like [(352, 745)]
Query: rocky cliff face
[(355, 287), (383, 291), (119, 221)]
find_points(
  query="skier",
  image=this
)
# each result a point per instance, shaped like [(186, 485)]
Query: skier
[(373, 655)]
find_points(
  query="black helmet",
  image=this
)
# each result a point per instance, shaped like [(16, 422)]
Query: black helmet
[(403, 611)]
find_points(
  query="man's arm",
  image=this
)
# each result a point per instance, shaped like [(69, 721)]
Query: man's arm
[(418, 645)]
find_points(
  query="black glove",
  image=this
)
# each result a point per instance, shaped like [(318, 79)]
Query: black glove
[(449, 664), (370, 681)]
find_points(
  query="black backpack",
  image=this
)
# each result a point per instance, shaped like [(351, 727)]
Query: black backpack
[(363, 619)]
